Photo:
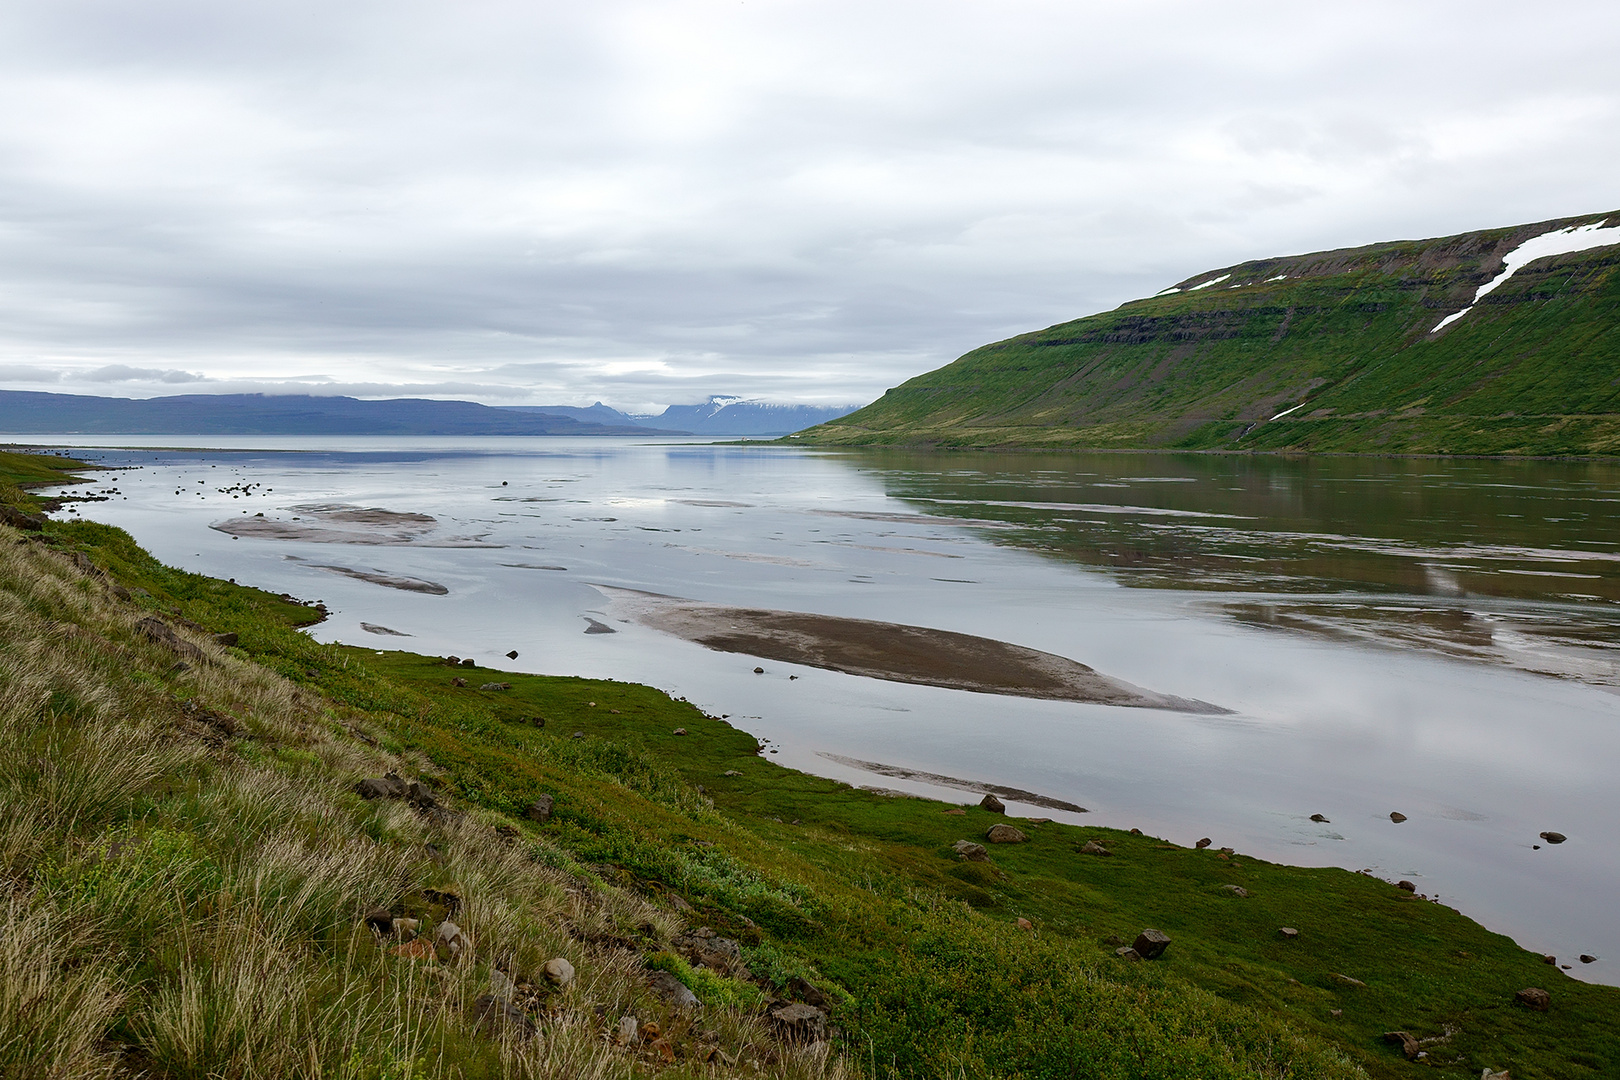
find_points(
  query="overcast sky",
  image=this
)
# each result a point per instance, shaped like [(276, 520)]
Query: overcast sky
[(646, 203)]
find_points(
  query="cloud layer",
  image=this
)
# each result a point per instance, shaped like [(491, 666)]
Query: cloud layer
[(650, 202)]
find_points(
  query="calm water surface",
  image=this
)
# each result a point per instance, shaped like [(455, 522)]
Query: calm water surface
[(1437, 638)]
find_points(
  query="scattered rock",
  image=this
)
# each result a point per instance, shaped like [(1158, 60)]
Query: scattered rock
[(1396, 816), (1004, 834), (680, 731), (540, 809), (1091, 847), (493, 686), (1487, 1074), (1406, 886), (1127, 953), (955, 811), (1588, 958), (1150, 944), (1228, 852), (498, 1017), (10, 515), (159, 632), (1319, 819), (1345, 979), (1204, 843), (1405, 1040), (227, 639), (381, 787), (993, 804), (799, 1022), (578, 735), (732, 772), (1550, 960), (449, 942), (806, 992), (1554, 837), (458, 681), (558, 972), (1024, 924), (759, 671), (513, 655), (678, 902), (1533, 997), (1336, 1013), (970, 851), (469, 662), (627, 1029), (671, 989), (381, 921), (1287, 933), (501, 985), (707, 949), (405, 928), (1237, 890)]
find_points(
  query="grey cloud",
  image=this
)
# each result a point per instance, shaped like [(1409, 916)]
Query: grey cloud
[(125, 373), (652, 202)]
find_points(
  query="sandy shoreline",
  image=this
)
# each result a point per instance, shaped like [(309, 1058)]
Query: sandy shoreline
[(896, 652)]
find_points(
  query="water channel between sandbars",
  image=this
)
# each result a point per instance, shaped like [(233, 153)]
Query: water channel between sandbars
[(1381, 632)]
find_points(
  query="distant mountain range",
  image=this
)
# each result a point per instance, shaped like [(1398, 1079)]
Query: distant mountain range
[(1503, 341), (30, 413), (720, 415)]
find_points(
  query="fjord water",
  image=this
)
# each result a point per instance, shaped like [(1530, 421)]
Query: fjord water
[(1437, 638)]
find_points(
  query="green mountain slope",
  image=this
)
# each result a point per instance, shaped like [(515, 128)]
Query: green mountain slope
[(1343, 343)]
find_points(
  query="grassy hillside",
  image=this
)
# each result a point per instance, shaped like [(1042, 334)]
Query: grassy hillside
[(190, 874), (1344, 338)]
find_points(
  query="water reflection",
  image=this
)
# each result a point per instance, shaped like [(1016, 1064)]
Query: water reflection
[(1510, 562)]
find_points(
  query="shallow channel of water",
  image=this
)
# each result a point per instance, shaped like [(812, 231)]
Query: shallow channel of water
[(1431, 637)]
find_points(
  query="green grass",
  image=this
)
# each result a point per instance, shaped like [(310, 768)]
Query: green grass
[(1531, 371), (203, 860)]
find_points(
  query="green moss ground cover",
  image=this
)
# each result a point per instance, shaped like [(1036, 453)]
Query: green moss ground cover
[(919, 952)]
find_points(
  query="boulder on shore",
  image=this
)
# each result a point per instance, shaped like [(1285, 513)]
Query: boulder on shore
[(993, 804), (1533, 997), (1150, 944), (1554, 837), (1005, 834)]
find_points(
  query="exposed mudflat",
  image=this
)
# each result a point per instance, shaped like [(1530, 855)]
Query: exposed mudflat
[(340, 523), (373, 628), (893, 651), (392, 581), (978, 787)]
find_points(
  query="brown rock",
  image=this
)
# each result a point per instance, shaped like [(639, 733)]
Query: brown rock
[(807, 993), (1405, 1040), (1127, 953), (1288, 933), (680, 731), (381, 920), (671, 989), (1024, 924), (1550, 960), (1150, 944), (558, 972), (10, 515), (1588, 958), (1091, 847), (1554, 837), (1004, 834), (226, 639), (458, 681), (1204, 843), (993, 804), (1406, 886), (513, 655), (661, 1046), (1319, 819), (970, 851), (799, 1022), (420, 949), (497, 1017), (1533, 997), (1397, 817), (540, 809)]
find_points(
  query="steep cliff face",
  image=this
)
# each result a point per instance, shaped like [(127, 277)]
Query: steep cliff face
[(1336, 350)]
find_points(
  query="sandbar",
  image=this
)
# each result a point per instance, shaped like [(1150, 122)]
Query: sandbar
[(896, 652)]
